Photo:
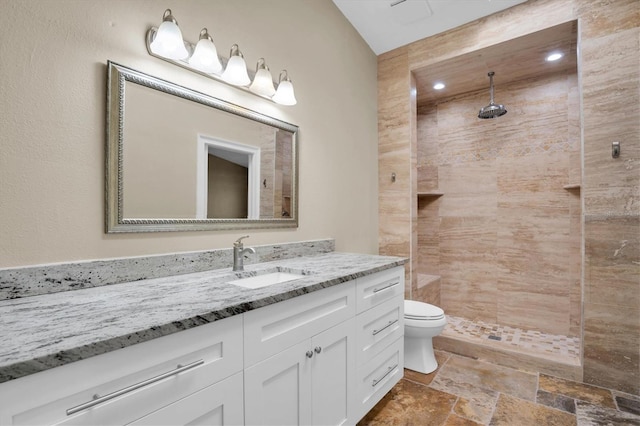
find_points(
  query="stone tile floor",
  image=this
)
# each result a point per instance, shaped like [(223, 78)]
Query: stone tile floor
[(465, 391)]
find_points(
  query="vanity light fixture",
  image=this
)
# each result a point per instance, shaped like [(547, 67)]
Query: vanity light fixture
[(284, 95), (205, 55), (166, 42), (263, 81)]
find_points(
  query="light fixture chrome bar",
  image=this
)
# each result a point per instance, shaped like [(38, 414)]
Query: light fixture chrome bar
[(184, 64)]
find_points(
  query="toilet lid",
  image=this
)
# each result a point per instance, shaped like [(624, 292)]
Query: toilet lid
[(421, 311)]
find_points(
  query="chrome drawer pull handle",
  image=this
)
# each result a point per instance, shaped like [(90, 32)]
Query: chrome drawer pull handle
[(309, 354), (318, 349), (393, 284), (376, 381), (100, 399), (385, 327)]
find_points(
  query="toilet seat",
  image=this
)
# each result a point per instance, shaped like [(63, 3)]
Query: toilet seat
[(414, 310)]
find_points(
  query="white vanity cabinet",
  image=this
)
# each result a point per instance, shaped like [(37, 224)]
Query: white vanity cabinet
[(128, 384), (300, 360)]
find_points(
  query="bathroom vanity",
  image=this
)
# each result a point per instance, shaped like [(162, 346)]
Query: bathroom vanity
[(322, 348)]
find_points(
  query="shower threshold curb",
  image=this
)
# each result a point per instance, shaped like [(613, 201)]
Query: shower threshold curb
[(566, 367)]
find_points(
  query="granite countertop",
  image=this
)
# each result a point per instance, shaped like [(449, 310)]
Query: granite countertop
[(47, 331)]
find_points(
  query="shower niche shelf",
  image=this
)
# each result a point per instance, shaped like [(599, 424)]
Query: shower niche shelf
[(430, 194), (572, 186)]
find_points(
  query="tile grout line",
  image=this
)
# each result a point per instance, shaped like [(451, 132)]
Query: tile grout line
[(495, 407), (575, 406), (452, 407), (615, 400)]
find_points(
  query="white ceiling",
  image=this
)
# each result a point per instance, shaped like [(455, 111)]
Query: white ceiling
[(385, 27)]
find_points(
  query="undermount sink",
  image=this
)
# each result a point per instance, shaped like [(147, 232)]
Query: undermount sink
[(267, 279)]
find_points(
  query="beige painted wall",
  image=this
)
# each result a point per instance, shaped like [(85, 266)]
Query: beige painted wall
[(52, 104), (609, 79), (227, 189)]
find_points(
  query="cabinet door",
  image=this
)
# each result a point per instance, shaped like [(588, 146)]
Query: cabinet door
[(219, 404), (333, 375), (278, 389)]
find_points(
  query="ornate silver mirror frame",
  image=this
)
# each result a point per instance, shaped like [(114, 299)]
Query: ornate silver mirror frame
[(116, 222)]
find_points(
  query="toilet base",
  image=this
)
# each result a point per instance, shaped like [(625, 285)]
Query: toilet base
[(418, 355)]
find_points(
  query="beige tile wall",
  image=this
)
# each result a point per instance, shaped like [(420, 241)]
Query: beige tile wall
[(394, 157), (609, 96), (501, 235)]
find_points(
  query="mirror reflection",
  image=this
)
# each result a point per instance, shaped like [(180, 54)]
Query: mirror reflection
[(179, 159)]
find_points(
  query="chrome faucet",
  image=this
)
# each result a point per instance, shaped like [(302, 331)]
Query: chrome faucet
[(238, 252)]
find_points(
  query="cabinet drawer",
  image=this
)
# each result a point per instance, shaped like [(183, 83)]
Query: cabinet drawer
[(131, 382), (378, 327), (378, 376), (219, 404), (377, 288), (275, 327)]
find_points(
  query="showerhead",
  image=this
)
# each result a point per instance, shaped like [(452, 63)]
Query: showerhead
[(492, 110)]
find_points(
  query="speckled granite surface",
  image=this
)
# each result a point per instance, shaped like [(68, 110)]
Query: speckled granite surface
[(46, 331), (45, 279)]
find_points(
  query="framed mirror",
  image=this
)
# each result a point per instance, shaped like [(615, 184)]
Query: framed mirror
[(180, 160)]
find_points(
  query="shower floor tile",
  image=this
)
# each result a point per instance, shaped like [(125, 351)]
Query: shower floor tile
[(514, 338)]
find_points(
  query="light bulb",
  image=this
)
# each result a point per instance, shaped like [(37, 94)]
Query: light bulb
[(554, 57)]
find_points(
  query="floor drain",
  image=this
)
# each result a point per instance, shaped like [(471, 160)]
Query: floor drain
[(493, 337)]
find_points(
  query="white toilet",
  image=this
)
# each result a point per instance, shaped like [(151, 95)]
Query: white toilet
[(422, 322)]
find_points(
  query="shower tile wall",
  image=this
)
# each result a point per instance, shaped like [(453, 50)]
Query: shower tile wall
[(612, 199), (394, 157), (505, 236)]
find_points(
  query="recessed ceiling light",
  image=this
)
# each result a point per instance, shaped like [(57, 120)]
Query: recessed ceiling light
[(438, 86), (554, 57)]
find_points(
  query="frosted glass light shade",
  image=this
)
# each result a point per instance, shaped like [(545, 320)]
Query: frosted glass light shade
[(263, 83), (205, 55), (284, 95), (236, 72), (168, 41)]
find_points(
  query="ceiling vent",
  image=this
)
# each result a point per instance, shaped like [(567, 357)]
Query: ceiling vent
[(409, 11)]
